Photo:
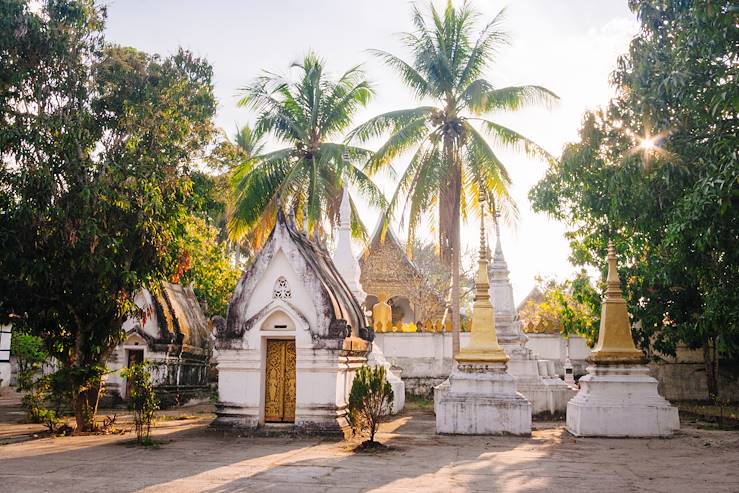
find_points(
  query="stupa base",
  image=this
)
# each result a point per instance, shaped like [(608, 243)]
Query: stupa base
[(620, 401), (481, 399)]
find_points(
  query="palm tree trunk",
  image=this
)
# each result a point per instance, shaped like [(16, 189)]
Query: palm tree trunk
[(456, 185), (455, 284)]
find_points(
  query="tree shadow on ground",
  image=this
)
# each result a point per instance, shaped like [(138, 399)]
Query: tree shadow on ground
[(198, 459)]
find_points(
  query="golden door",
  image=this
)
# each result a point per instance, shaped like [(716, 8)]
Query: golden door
[(279, 393)]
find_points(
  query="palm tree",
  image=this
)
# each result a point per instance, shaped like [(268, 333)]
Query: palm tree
[(236, 155), (306, 176), (453, 164)]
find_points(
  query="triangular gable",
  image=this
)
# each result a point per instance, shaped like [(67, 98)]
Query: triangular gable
[(335, 305)]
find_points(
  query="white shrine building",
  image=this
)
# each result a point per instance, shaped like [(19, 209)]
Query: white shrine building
[(295, 335), (174, 337)]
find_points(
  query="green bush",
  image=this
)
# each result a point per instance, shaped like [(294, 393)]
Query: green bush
[(142, 400), (38, 388), (370, 400)]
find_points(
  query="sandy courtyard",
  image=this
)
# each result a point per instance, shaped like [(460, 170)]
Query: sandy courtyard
[(192, 458)]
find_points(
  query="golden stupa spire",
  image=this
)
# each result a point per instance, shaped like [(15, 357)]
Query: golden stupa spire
[(483, 346), (615, 344)]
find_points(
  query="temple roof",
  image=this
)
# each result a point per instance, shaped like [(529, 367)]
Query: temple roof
[(179, 315), (385, 267), (334, 299)]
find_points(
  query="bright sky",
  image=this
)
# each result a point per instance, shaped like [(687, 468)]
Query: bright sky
[(568, 46)]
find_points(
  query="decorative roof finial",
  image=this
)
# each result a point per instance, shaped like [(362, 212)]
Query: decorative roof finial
[(483, 242), (613, 282)]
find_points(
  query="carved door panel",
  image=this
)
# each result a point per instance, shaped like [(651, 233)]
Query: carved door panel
[(279, 393)]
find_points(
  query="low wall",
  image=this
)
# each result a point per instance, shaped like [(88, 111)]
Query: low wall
[(425, 360), (554, 347), (687, 381)]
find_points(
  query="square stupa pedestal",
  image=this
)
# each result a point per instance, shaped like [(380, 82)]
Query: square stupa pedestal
[(620, 401), (481, 399)]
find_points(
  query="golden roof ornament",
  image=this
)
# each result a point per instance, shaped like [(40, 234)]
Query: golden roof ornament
[(483, 346), (615, 344)]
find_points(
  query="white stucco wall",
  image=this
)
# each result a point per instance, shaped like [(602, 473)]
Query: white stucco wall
[(5, 369), (429, 355), (554, 347), (279, 266)]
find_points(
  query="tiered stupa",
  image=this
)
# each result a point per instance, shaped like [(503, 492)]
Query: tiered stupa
[(480, 397), (618, 397), (348, 266), (534, 379)]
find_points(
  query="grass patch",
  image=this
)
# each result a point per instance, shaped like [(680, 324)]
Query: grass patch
[(730, 411), (419, 402), (722, 417)]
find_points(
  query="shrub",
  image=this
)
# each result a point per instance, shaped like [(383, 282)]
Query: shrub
[(142, 400), (370, 400), (30, 357)]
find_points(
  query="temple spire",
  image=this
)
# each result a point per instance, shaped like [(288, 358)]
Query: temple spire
[(483, 345), (344, 259), (501, 294), (615, 344)]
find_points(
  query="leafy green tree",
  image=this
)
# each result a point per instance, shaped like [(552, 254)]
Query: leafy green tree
[(207, 265), (453, 163), (308, 175), (657, 172), (370, 400), (575, 304), (96, 143)]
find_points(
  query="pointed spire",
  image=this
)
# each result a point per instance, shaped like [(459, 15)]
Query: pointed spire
[(344, 259), (501, 293), (615, 344), (483, 346), (345, 210)]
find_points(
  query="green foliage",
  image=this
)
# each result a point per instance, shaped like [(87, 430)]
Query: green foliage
[(306, 113), (43, 394), (30, 357), (672, 207), (209, 267), (370, 400), (453, 164), (575, 304), (96, 142), (142, 400)]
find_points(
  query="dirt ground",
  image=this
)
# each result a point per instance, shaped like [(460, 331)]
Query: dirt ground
[(191, 457)]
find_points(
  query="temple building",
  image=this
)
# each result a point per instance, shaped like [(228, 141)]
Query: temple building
[(295, 334), (174, 336), (386, 269)]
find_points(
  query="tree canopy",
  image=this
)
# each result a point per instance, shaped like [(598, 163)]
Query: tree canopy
[(96, 144), (656, 171)]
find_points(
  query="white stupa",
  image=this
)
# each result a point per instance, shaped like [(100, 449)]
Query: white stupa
[(348, 266), (535, 379)]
